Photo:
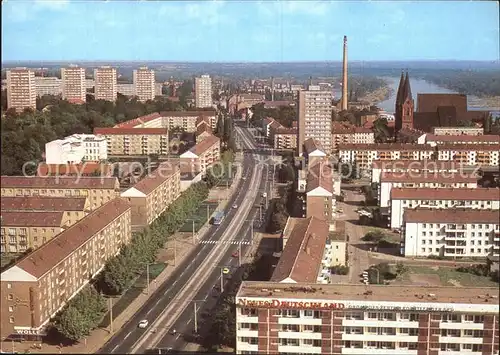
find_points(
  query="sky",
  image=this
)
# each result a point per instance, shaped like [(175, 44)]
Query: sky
[(250, 31)]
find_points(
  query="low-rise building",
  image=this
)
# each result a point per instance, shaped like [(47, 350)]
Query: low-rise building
[(302, 259), (285, 138), (431, 166), (76, 148), (201, 156), (203, 130), (88, 168), (470, 154), (152, 195), (98, 190), (306, 318), (463, 139), (187, 120), (451, 232), (457, 131), (266, 125), (22, 230), (346, 133), (319, 199), (422, 179), (135, 141), (444, 198), (40, 284), (362, 155), (313, 151)]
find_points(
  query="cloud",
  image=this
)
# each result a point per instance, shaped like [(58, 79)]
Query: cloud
[(23, 11), (309, 8)]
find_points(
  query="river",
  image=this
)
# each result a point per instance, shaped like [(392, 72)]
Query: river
[(421, 87)]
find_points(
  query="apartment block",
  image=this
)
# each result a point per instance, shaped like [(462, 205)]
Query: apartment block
[(444, 198), (306, 318), (470, 154), (40, 285), (483, 139), (315, 117), (302, 258), (201, 156), (152, 195), (76, 148), (49, 85), (144, 84), (98, 190), (84, 169), (284, 138), (362, 155), (21, 89), (451, 232), (266, 125), (319, 197), (203, 91), (105, 83), (135, 141), (346, 133), (74, 86), (457, 131), (431, 166), (74, 209), (203, 130), (422, 179), (187, 120)]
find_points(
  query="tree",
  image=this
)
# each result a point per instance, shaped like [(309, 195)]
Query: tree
[(219, 129), (381, 130), (117, 275), (72, 324), (278, 221)]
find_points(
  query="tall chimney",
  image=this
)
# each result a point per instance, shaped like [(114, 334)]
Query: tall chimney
[(344, 77), (310, 80)]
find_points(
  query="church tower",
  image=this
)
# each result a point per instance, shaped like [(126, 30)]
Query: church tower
[(404, 105)]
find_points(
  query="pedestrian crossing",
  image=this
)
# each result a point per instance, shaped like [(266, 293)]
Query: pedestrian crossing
[(244, 242)]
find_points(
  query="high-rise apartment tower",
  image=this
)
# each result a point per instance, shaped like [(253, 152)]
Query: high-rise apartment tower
[(74, 87), (315, 117), (105, 83), (144, 84), (21, 89), (203, 91)]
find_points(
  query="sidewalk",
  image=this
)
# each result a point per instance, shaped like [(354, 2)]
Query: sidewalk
[(100, 336)]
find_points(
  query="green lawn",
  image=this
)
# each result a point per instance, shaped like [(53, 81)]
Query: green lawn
[(199, 217), (448, 274)]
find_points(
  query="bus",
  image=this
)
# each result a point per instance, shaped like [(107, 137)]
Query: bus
[(219, 216)]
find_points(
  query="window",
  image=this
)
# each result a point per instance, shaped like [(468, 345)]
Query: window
[(11, 297), (11, 309), (11, 320), (9, 285)]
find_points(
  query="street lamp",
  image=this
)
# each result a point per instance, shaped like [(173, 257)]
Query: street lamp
[(194, 233)]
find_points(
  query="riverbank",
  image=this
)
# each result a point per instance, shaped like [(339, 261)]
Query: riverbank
[(379, 95)]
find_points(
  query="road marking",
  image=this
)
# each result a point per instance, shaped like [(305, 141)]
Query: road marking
[(156, 304), (177, 337), (189, 321), (148, 312), (126, 336), (115, 348)]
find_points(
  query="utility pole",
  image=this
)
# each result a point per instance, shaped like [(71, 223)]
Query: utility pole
[(110, 300), (194, 239), (175, 251), (147, 279), (195, 318), (251, 231), (260, 212), (208, 213), (239, 254), (221, 280)]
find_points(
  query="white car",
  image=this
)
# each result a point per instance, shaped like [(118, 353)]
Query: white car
[(235, 206), (143, 323)]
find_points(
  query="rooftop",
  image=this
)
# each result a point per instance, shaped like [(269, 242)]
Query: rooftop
[(484, 138), (427, 176), (469, 147), (417, 164), (303, 253), (58, 182), (31, 218), (42, 203), (130, 131), (360, 292), (451, 215), (149, 183), (453, 194), (320, 175), (204, 145), (138, 120), (86, 168), (387, 146), (50, 254), (311, 144)]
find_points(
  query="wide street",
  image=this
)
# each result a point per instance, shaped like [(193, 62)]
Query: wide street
[(172, 302)]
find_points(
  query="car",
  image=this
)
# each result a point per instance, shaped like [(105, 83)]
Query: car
[(235, 206), (143, 323), (225, 270), (235, 254)]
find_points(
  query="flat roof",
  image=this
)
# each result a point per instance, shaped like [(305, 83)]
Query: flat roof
[(360, 292)]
